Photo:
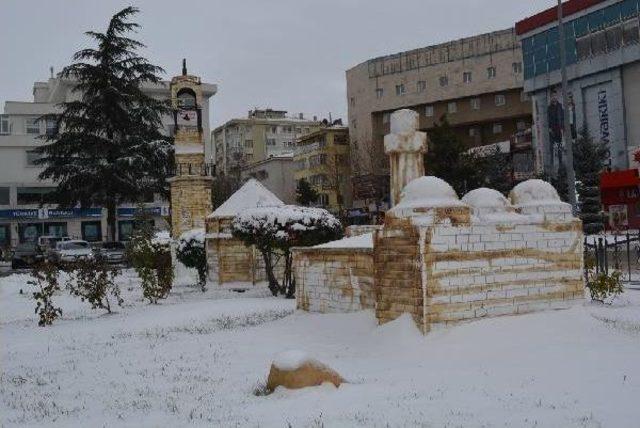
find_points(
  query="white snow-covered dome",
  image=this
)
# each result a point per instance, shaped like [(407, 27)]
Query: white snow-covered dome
[(487, 199), (534, 192), (428, 191)]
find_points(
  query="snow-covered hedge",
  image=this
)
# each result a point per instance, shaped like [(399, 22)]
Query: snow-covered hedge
[(191, 252)]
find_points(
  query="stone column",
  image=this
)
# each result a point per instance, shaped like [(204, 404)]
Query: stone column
[(406, 147)]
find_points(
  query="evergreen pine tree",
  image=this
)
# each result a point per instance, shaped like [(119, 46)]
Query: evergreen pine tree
[(448, 158), (497, 171), (305, 194), (108, 148), (589, 161)]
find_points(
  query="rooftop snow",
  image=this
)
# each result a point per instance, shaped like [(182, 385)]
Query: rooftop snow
[(360, 241), (252, 194)]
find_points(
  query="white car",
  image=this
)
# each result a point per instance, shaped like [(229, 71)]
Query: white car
[(71, 251)]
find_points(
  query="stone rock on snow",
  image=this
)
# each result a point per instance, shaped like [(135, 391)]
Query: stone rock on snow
[(294, 370)]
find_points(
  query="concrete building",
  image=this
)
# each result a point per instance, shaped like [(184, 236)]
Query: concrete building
[(22, 217), (276, 174), (262, 134), (322, 159), (603, 68), (476, 81)]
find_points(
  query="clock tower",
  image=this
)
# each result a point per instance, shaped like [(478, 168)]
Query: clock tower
[(191, 184)]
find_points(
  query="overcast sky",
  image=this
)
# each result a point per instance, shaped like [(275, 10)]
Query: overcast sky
[(284, 54)]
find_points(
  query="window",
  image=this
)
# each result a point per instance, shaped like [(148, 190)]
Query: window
[(5, 125), (91, 231), (497, 128), (472, 132), (444, 80), (354, 124), (466, 77), (5, 235), (55, 229), (287, 129), (475, 103), (452, 107), (428, 111), (32, 157), (271, 141), (516, 67), (125, 230), (421, 86), (323, 199), (379, 93), (29, 232), (491, 72), (500, 100), (521, 125), (385, 117), (352, 101), (248, 144), (32, 125), (400, 89), (32, 195), (274, 129), (4, 196)]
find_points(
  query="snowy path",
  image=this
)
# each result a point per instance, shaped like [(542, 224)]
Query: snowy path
[(196, 358)]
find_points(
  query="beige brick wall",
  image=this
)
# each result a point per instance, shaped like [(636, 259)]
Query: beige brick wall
[(190, 203), (334, 280)]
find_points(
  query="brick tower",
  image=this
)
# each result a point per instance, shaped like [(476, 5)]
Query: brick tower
[(191, 185)]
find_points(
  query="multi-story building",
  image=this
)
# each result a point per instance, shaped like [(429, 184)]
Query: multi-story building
[(476, 82), (276, 174), (603, 70), (322, 159), (22, 216), (262, 134)]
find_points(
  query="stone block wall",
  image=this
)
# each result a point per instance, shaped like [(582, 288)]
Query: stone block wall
[(334, 279), (190, 203)]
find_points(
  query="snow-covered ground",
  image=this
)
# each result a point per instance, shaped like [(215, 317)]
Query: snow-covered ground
[(196, 359)]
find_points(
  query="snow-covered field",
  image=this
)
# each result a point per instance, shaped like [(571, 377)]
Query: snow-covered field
[(196, 359)]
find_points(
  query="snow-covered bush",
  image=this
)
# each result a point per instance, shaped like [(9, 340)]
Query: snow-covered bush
[(150, 256), (45, 278), (94, 281), (275, 230), (191, 253), (604, 286)]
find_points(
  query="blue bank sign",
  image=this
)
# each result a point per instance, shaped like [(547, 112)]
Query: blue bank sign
[(51, 213)]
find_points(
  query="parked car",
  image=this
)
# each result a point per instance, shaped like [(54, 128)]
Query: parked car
[(112, 252), (25, 255), (48, 242), (70, 251)]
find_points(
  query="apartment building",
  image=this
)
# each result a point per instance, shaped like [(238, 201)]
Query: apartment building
[(261, 135), (322, 159), (22, 216), (476, 82), (276, 174)]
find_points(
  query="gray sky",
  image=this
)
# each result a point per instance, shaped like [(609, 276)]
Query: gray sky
[(284, 54)]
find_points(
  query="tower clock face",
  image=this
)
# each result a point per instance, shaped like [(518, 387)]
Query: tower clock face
[(187, 118)]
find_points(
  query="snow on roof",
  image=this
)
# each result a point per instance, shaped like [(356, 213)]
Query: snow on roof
[(534, 192), (428, 191), (252, 194), (359, 241)]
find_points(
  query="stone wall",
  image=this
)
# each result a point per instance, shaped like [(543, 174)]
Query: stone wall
[(334, 279), (190, 202)]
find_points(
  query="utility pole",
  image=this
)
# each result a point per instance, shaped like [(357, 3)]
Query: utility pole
[(568, 138)]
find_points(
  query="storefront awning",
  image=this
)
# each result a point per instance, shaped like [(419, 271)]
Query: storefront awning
[(619, 179)]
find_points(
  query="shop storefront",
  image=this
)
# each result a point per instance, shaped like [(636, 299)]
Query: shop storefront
[(621, 199)]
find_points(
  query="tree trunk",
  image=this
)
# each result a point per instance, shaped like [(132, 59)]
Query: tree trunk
[(271, 278), (111, 221), (288, 275)]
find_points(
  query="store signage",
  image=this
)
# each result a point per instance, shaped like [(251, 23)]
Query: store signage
[(50, 213), (152, 211), (603, 113)]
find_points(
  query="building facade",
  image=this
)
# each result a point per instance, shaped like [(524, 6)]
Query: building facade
[(276, 174), (22, 216), (476, 81), (603, 69), (322, 159), (262, 134)]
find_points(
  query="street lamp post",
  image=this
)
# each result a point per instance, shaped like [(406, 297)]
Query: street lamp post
[(568, 138)]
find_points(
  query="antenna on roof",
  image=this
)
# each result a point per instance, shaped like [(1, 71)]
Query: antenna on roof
[(184, 66), (51, 71)]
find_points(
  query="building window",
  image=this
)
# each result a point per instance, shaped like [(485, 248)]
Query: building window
[(4, 196), (379, 93), (452, 107), (274, 129), (444, 80), (354, 124), (352, 101), (472, 132), (491, 72), (248, 144), (91, 231), (32, 195), (32, 125), (517, 67), (5, 235), (497, 128), (32, 157), (421, 86), (385, 117), (271, 141), (521, 125), (55, 229), (466, 77), (428, 111), (500, 100), (29, 232), (475, 103), (5, 125), (400, 89)]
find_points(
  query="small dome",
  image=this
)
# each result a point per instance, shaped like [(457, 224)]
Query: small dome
[(486, 198), (428, 191), (534, 192)]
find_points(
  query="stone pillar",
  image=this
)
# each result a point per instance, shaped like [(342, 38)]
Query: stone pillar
[(406, 147)]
